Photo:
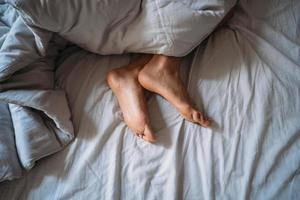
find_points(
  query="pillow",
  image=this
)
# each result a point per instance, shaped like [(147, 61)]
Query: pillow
[(166, 27), (9, 163)]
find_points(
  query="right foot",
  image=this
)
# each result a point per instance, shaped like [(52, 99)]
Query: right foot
[(130, 94), (161, 75)]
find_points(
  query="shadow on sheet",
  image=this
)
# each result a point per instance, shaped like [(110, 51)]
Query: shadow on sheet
[(251, 89)]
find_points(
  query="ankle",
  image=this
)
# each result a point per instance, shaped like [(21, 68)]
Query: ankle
[(166, 63)]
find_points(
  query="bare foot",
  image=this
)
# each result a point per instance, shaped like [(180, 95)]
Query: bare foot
[(161, 75), (130, 94)]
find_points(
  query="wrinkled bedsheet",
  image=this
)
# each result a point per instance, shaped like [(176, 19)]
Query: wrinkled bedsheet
[(34, 32), (247, 78)]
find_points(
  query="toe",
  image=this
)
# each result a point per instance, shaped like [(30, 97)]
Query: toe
[(199, 118)]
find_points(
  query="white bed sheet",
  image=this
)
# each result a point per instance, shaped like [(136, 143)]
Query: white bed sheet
[(246, 76)]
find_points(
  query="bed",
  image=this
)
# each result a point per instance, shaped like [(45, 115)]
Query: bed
[(245, 75)]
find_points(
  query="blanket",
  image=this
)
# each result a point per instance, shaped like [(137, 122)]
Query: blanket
[(35, 117)]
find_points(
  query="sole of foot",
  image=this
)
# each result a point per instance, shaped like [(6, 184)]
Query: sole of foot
[(130, 94), (161, 75)]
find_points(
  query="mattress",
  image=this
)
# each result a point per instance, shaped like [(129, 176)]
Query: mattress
[(246, 76)]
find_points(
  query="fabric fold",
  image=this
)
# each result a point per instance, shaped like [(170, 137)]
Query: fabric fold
[(9, 163), (39, 122), (34, 139)]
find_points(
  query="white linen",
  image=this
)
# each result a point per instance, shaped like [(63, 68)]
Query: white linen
[(115, 26), (9, 166), (246, 78), (38, 114)]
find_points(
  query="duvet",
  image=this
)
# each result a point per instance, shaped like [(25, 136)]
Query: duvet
[(35, 120)]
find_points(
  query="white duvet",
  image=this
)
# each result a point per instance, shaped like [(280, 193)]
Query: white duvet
[(107, 27), (247, 78), (31, 38)]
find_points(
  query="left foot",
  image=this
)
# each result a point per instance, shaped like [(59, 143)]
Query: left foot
[(130, 94), (161, 75)]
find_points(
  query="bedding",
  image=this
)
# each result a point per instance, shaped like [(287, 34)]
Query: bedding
[(115, 27), (245, 76), (9, 164), (36, 120), (34, 32)]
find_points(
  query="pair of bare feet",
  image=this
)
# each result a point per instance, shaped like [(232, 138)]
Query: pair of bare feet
[(156, 73)]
